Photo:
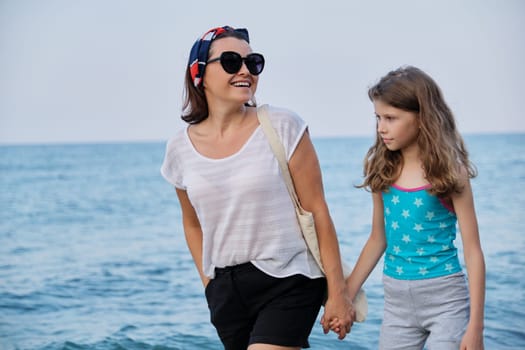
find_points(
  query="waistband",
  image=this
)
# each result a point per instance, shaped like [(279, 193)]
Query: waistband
[(228, 269)]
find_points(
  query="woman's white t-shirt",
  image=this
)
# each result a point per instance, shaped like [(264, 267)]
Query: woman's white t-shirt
[(242, 203)]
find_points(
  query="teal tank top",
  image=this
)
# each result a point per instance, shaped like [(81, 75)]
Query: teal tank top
[(420, 232)]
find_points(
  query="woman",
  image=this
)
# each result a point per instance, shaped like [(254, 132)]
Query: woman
[(263, 288)]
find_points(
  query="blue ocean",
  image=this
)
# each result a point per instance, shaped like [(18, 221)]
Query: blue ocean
[(92, 253)]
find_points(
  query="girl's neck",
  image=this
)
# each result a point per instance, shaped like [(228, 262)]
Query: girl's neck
[(412, 175), (410, 153)]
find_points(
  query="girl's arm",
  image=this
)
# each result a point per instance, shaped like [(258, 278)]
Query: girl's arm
[(370, 254), (192, 232), (372, 251), (475, 264), (307, 178)]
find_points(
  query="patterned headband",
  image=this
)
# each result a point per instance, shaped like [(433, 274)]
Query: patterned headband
[(200, 50)]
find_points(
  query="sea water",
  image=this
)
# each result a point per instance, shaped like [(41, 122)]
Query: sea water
[(93, 256)]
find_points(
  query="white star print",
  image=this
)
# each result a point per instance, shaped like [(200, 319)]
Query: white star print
[(430, 227)]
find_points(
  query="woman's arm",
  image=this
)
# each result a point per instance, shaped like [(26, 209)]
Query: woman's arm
[(307, 178), (475, 263), (372, 251), (192, 232)]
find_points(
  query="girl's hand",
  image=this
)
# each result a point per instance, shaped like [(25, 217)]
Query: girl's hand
[(336, 324), (472, 340)]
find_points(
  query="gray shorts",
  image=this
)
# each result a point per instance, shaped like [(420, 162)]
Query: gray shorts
[(432, 311)]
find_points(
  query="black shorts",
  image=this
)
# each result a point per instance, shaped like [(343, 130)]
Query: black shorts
[(248, 306)]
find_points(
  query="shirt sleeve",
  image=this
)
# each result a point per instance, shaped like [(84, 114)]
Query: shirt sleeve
[(289, 126), (171, 169)]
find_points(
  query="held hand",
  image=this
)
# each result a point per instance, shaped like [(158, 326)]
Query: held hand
[(338, 316), (336, 326)]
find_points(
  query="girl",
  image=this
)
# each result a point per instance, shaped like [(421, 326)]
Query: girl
[(418, 171), (263, 287)]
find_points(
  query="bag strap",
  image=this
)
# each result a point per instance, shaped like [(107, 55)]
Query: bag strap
[(360, 301), (278, 150)]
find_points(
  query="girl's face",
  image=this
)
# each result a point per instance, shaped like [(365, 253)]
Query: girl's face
[(222, 86), (398, 128)]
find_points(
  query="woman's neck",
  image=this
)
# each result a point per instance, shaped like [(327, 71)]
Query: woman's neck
[(221, 120)]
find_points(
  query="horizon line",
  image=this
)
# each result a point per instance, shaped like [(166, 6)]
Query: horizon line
[(163, 141)]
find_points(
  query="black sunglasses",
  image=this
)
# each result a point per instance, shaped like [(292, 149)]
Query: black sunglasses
[(231, 62)]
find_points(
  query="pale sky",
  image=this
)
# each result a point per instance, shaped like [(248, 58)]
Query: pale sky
[(112, 70)]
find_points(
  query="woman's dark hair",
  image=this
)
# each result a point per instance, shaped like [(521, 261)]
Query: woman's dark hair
[(195, 106)]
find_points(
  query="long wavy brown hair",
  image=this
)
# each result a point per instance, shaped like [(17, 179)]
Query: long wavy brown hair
[(442, 149), (195, 105)]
